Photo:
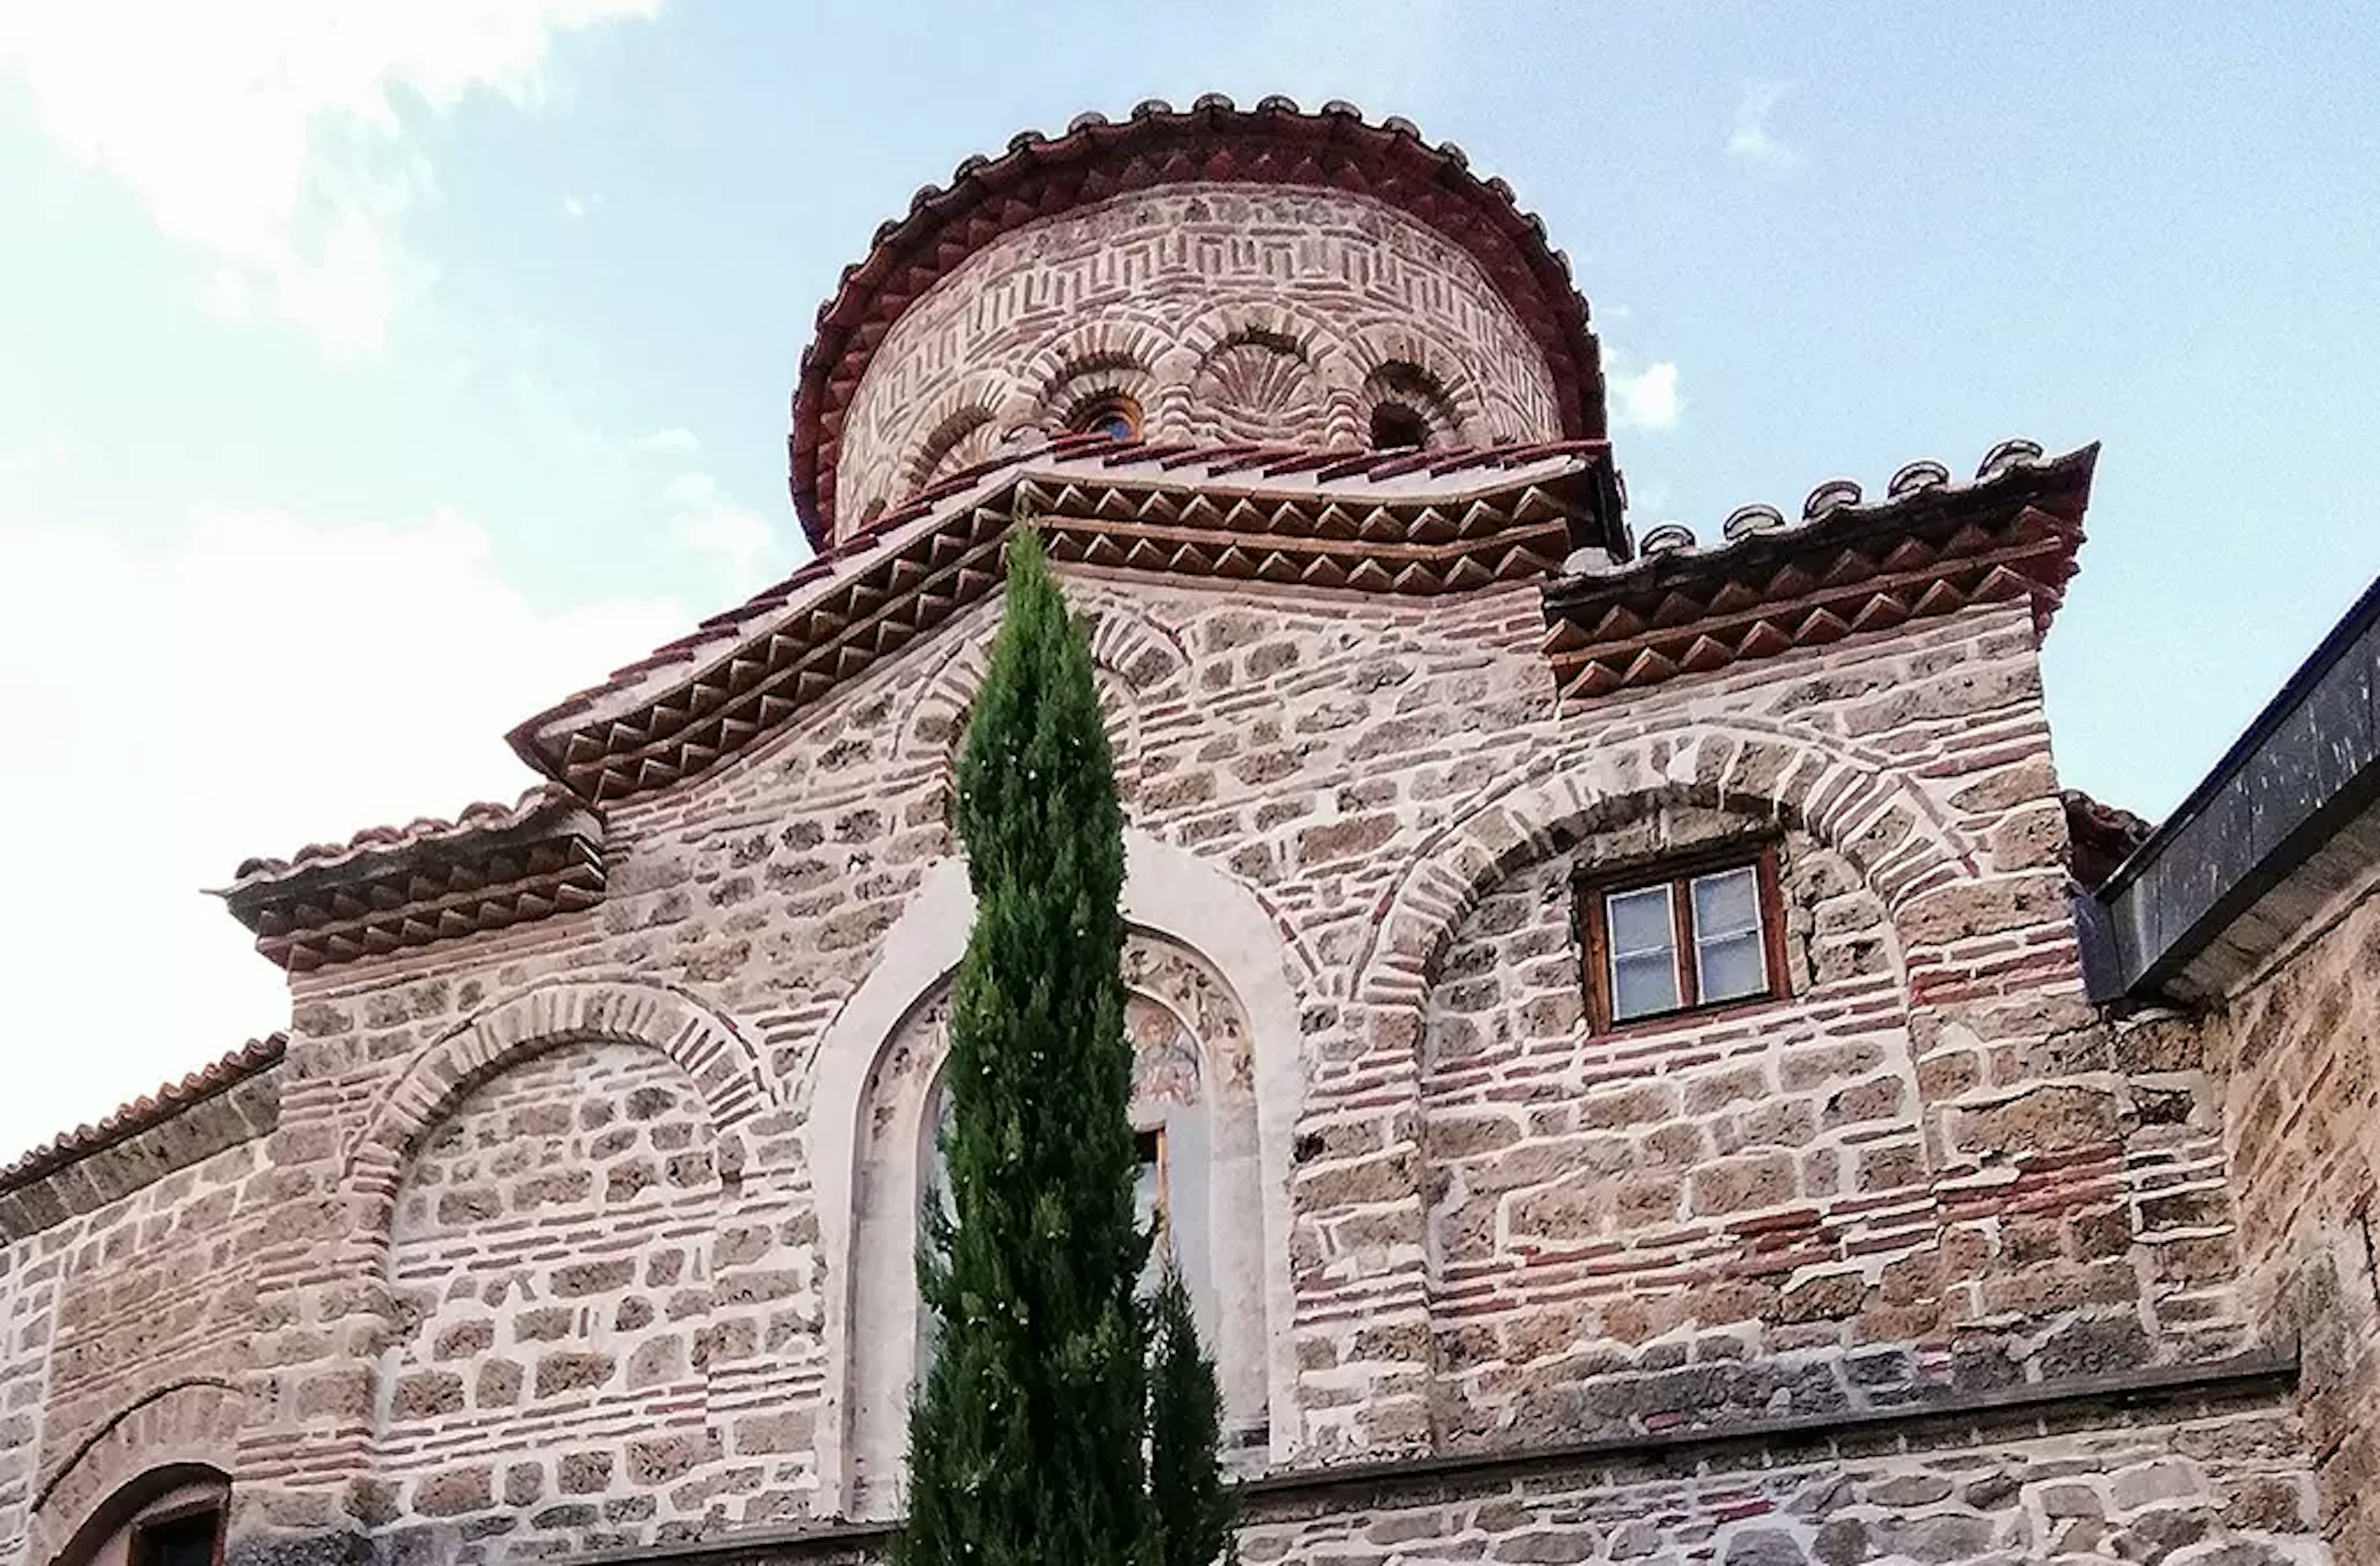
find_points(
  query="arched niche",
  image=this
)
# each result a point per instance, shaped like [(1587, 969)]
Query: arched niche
[(1172, 896), (1194, 1108)]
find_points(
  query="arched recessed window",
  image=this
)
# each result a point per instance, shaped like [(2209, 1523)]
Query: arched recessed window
[(1395, 426), (1114, 415)]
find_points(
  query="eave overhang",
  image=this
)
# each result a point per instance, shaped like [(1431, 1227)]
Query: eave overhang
[(2284, 826), (1211, 143), (1928, 547), (391, 888), (1411, 524)]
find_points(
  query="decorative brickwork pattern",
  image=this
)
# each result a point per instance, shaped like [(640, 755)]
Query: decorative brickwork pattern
[(1386, 241), (1925, 550), (1421, 525), (183, 1426), (1332, 285)]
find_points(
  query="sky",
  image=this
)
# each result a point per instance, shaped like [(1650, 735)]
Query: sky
[(374, 375)]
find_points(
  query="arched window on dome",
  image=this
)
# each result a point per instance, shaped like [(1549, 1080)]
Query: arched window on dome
[(1111, 414), (1396, 426)]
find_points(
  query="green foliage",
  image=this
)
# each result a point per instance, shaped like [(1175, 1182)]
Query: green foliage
[(1027, 1440), (1189, 1509)]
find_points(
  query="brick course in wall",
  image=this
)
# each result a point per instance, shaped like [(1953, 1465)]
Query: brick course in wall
[(1929, 1170)]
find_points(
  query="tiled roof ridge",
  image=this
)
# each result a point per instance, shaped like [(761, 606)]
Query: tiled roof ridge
[(2102, 835), (150, 1110), (480, 816), (1399, 521), (1927, 548), (2015, 456), (1278, 142)]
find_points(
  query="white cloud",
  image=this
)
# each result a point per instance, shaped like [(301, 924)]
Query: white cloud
[(573, 206), (1646, 398), (1751, 139), (676, 438), (257, 683), (269, 134), (704, 520)]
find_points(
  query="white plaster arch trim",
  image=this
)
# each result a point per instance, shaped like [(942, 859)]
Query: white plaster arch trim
[(1168, 892), (1854, 802), (724, 1064)]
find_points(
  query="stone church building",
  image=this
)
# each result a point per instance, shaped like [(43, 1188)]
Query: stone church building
[(1638, 1057)]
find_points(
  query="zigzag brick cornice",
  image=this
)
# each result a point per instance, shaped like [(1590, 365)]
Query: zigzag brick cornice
[(1408, 523), (1928, 548), (393, 888), (1211, 143)]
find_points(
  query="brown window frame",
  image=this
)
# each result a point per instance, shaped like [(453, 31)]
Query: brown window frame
[(1149, 1146), (1594, 888)]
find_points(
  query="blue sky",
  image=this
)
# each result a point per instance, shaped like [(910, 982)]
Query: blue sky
[(377, 374)]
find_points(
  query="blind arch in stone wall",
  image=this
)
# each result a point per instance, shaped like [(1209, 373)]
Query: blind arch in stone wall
[(1601, 1198), (1853, 802), (587, 1217)]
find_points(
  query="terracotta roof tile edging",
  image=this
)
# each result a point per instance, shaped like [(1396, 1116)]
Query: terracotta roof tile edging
[(146, 1113)]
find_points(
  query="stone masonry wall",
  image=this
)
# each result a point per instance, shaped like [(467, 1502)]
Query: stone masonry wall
[(2210, 1486), (2297, 1057), (126, 1327), (1994, 1201), (1594, 1200), (551, 1266), (1228, 313)]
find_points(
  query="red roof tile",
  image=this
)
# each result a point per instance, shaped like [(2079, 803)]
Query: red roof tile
[(150, 1110)]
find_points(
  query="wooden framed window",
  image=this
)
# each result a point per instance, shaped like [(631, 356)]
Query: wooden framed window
[(1149, 1181), (1683, 937), (186, 1536)]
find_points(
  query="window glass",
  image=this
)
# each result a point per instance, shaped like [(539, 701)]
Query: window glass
[(1728, 957), (1644, 952)]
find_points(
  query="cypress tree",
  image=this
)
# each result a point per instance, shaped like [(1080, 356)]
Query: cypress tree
[(1026, 1439), (1189, 1511)]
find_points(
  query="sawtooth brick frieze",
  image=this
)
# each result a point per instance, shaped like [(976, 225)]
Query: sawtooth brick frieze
[(573, 1218)]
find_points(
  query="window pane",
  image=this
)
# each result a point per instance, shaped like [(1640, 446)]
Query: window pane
[(1732, 966), (1640, 921), (1726, 903), (1643, 984)]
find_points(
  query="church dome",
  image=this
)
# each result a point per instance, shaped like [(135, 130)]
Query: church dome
[(1216, 277)]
